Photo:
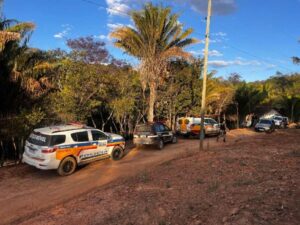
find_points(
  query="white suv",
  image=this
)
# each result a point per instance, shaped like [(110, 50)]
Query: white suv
[(66, 146)]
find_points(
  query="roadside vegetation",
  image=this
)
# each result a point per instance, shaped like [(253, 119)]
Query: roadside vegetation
[(85, 83)]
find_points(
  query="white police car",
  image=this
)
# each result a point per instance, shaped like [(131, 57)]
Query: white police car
[(65, 147)]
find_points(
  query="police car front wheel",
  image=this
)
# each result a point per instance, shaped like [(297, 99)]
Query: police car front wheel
[(67, 166), (117, 153)]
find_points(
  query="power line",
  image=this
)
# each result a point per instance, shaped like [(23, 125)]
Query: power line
[(105, 7), (253, 55)]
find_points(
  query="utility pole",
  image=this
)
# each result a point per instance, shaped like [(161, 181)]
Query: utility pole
[(203, 100)]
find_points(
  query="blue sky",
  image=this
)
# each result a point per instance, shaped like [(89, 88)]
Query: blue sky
[(255, 38)]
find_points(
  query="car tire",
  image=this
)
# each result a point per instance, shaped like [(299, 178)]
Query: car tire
[(67, 166), (160, 144), (174, 140), (117, 153)]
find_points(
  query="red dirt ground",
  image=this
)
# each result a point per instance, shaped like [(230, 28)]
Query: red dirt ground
[(251, 179)]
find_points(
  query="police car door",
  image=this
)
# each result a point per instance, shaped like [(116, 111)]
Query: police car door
[(100, 140)]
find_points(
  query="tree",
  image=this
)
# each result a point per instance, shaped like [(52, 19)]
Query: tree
[(296, 59), (156, 37), (126, 100), (180, 93), (88, 50), (14, 37), (82, 87), (234, 78), (248, 96)]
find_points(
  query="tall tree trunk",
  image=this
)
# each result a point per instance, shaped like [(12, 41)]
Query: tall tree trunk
[(237, 116), (15, 150), (174, 123), (292, 112), (2, 153), (152, 99), (219, 116), (94, 124)]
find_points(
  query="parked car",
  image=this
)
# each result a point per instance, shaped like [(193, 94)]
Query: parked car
[(65, 147), (153, 134), (265, 125), (191, 126), (184, 125), (280, 121)]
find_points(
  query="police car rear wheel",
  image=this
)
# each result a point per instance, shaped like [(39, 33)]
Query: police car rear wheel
[(117, 153), (67, 166)]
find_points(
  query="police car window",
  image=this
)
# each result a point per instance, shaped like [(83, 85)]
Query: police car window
[(166, 128), (207, 121), (161, 128), (97, 135), (80, 136), (157, 128), (213, 121), (57, 139)]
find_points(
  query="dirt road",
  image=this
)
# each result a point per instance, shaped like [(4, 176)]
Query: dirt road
[(251, 179), (26, 190)]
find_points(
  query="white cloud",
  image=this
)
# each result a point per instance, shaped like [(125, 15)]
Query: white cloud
[(117, 7), (221, 34), (214, 53), (236, 62), (101, 37), (196, 52), (211, 53), (217, 40), (113, 26), (62, 34)]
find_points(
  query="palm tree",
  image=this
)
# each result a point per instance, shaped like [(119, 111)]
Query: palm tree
[(12, 30), (156, 37)]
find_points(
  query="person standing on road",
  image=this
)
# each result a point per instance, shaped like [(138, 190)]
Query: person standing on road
[(222, 133)]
